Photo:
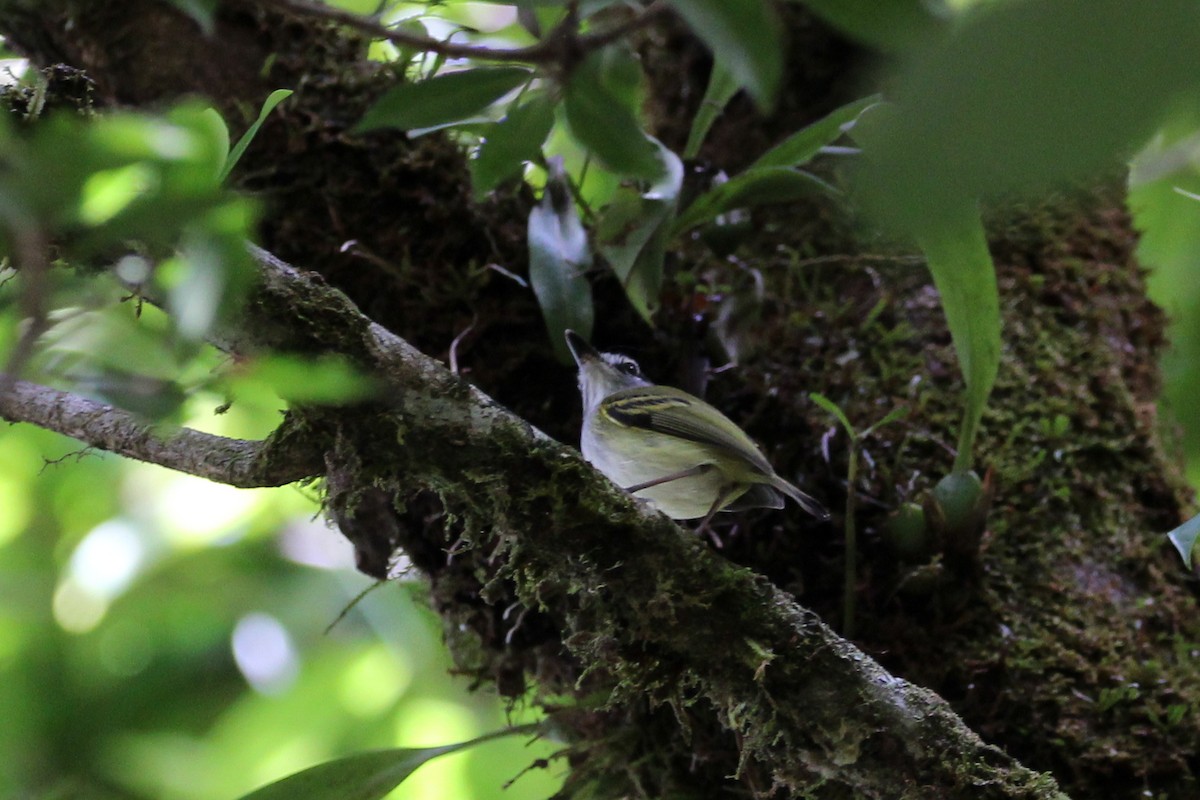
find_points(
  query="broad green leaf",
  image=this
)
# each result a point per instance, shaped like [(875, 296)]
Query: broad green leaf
[(512, 141), (363, 776), (442, 98), (633, 233), (558, 257), (744, 35), (275, 98), (1163, 180), (1184, 538), (108, 192), (721, 87), (888, 25), (406, 53), (198, 170), (221, 134), (325, 380), (956, 250), (206, 279), (604, 123), (105, 341), (758, 186), (1022, 96), (800, 148)]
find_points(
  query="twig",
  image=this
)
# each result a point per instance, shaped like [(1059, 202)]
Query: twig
[(246, 464), (552, 48)]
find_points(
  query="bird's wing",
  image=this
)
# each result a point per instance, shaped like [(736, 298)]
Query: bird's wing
[(663, 409)]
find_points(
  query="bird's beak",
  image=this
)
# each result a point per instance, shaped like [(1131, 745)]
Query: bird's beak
[(582, 351)]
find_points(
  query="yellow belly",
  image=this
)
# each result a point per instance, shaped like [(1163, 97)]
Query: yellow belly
[(629, 458)]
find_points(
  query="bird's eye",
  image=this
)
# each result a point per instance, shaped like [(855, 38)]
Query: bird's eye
[(629, 368)]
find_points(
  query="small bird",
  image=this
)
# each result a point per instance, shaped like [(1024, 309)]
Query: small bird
[(669, 447)]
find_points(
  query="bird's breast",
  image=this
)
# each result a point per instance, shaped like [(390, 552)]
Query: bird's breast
[(632, 456)]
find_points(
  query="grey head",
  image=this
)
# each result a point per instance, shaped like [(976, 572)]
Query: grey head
[(602, 374)]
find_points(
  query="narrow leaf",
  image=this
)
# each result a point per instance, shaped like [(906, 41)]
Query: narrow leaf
[(957, 253), (896, 413), (273, 99), (512, 141), (721, 87), (756, 186), (746, 36), (442, 99), (834, 409), (1184, 538), (558, 256), (606, 125), (799, 148), (363, 776)]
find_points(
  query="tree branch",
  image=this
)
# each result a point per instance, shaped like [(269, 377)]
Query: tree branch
[(549, 49), (634, 597), (276, 461), (638, 601)]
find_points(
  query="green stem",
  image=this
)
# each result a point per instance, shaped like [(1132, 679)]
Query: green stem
[(966, 441), (848, 588)]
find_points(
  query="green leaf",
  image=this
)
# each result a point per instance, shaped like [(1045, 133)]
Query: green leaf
[(1184, 538), (746, 36), (107, 341), (896, 413), (275, 98), (442, 99), (757, 186), (324, 380), (834, 409), (1023, 96), (956, 250), (1163, 183), (888, 25), (558, 257), (800, 148), (220, 132), (633, 233), (363, 776), (603, 122), (512, 141), (721, 87)]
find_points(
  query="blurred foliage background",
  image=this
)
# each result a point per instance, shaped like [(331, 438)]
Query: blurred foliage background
[(166, 637), (162, 636)]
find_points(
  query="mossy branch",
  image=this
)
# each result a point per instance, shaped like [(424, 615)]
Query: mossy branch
[(634, 597)]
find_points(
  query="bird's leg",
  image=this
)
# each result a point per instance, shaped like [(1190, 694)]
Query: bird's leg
[(712, 512), (674, 476)]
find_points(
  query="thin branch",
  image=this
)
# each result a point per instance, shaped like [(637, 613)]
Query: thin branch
[(246, 464), (549, 49)]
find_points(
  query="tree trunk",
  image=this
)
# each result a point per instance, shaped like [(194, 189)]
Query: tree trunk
[(1068, 637)]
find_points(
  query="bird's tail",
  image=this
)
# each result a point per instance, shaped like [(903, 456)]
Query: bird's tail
[(806, 502)]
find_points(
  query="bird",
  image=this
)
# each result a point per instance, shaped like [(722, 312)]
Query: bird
[(669, 447)]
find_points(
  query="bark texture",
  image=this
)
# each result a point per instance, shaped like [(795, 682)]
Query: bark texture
[(1067, 640)]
